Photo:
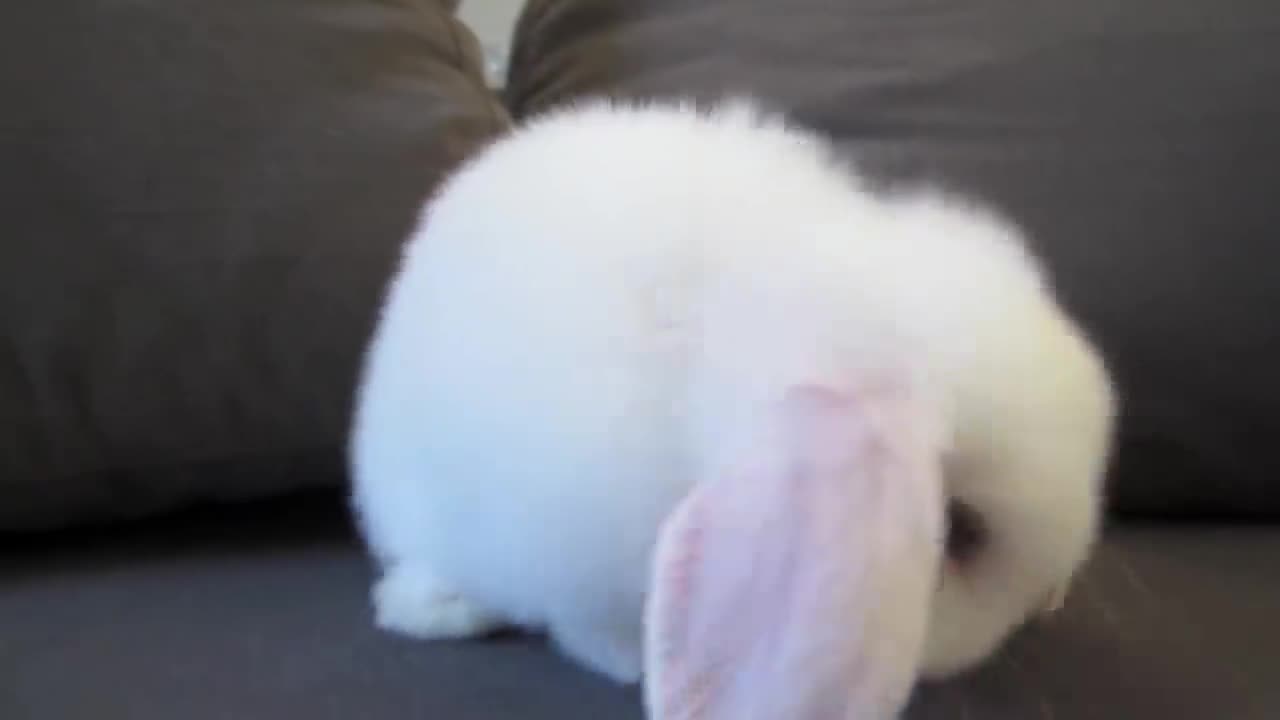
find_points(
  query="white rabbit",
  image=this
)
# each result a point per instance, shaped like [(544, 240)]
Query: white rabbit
[(626, 323)]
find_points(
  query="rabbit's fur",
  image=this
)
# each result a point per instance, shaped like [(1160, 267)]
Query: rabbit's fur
[(597, 311)]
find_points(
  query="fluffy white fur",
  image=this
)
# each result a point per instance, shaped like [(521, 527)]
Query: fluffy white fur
[(597, 310)]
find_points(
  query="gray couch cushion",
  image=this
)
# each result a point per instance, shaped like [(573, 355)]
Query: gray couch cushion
[(201, 203), (1134, 139), (263, 614)]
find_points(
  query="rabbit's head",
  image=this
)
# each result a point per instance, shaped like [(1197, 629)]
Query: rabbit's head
[(1025, 484)]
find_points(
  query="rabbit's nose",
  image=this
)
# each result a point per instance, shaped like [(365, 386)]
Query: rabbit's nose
[(966, 533)]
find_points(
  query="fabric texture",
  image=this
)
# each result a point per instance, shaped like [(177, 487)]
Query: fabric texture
[(202, 203), (1134, 141), (263, 613)]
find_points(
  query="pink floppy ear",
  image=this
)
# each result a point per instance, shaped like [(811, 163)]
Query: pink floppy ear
[(799, 588)]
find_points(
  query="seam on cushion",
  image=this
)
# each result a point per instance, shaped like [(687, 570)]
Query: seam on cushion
[(459, 60), (496, 123), (137, 483), (204, 462)]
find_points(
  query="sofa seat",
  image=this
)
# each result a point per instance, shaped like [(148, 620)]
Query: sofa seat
[(261, 612)]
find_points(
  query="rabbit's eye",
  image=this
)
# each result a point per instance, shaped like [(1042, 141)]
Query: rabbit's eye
[(966, 532)]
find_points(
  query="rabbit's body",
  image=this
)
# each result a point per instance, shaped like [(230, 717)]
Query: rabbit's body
[(600, 311)]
